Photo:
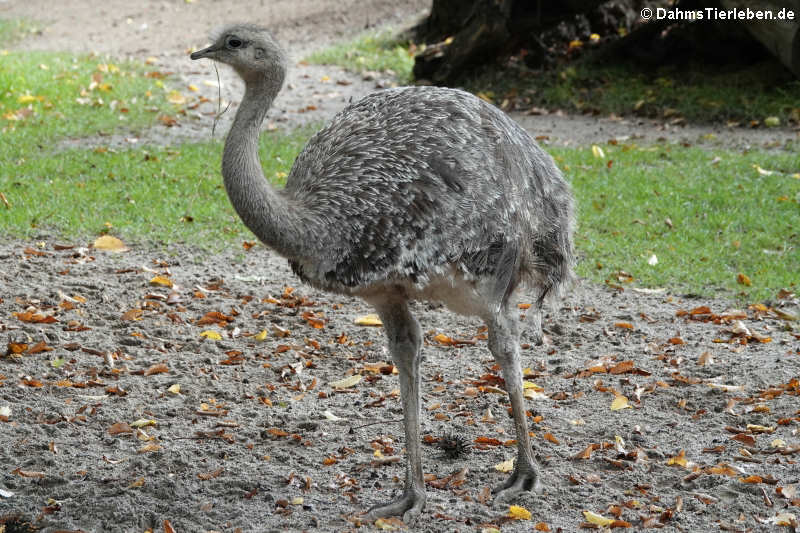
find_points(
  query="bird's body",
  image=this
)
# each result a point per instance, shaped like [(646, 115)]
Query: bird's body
[(426, 183), (416, 193)]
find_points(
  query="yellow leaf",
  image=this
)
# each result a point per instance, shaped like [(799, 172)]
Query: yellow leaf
[(175, 389), (161, 280), (350, 381), (260, 337), (576, 43), (762, 171), (620, 402), (369, 320), (175, 97), (597, 519), (109, 244), (143, 422), (193, 88), (778, 443), (594, 37), (679, 460), (390, 523), (772, 122), (211, 334), (28, 98), (531, 385), (519, 513), (598, 152), (505, 466)]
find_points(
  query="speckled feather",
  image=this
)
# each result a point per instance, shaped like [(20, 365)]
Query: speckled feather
[(416, 180)]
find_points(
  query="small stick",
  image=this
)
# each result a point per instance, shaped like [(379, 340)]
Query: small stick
[(219, 103), (352, 429)]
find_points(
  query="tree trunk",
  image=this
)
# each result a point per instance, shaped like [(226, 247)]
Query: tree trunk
[(780, 37), (464, 33)]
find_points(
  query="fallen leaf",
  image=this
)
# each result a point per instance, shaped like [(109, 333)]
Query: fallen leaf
[(620, 402), (260, 337), (109, 244), (174, 389), (158, 368), (742, 279), (518, 513), (211, 334), (143, 422), (368, 320), (505, 466), (679, 460), (161, 280), (347, 382), (597, 519)]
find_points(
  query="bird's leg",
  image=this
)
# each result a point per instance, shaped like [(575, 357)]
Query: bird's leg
[(405, 339), (504, 345)]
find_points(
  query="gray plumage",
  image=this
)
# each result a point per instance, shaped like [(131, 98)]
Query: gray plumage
[(414, 193)]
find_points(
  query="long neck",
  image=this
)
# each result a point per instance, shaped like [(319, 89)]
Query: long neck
[(262, 209)]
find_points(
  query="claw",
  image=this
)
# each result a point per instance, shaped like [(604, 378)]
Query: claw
[(524, 479), (410, 505)]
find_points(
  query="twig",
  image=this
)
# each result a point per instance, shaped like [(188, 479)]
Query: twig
[(219, 103)]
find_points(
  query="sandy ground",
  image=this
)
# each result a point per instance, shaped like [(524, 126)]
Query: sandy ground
[(242, 434)]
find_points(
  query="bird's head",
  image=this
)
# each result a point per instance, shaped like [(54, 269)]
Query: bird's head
[(250, 50)]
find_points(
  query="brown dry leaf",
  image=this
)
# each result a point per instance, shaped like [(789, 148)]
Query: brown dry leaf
[(330, 460), (744, 438), (120, 427), (133, 314), (676, 341), (39, 347), (488, 441), (722, 470), (168, 527), (623, 325), (35, 318), (621, 368), (108, 243), (214, 317), (16, 348), (313, 321), (158, 368), (742, 279), (148, 448), (280, 332), (551, 438), (28, 473), (587, 452), (789, 492), (751, 479), (541, 526), (205, 476), (678, 460), (705, 359)]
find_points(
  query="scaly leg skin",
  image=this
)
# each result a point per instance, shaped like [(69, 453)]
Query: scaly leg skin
[(405, 339), (504, 345)]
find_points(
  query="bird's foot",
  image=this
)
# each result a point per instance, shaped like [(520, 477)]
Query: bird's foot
[(524, 479), (409, 505)]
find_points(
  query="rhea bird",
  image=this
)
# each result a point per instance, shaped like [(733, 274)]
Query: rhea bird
[(409, 194)]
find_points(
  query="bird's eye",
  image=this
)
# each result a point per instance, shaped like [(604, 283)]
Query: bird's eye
[(233, 42)]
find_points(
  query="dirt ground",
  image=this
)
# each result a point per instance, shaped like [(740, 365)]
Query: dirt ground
[(119, 411)]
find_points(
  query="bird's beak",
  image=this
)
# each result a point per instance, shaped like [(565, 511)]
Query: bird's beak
[(205, 52)]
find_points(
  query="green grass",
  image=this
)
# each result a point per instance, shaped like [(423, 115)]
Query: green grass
[(155, 194), (727, 217), (381, 52), (697, 93), (46, 96)]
